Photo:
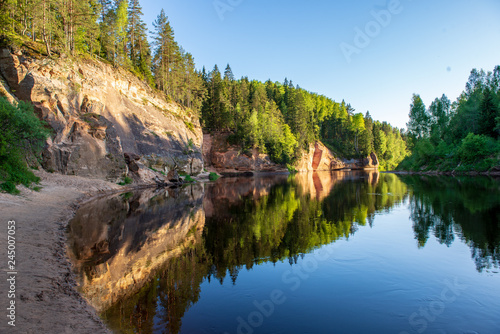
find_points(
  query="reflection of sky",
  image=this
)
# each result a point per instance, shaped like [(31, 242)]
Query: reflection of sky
[(429, 48), (371, 283)]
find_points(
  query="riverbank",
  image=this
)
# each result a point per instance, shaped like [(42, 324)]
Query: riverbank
[(453, 173), (46, 297)]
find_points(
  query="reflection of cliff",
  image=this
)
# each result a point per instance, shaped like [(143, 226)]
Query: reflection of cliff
[(320, 184), (465, 207), (231, 190), (117, 243), (163, 301)]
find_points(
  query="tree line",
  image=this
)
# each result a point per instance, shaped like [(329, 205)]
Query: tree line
[(280, 119), (463, 135)]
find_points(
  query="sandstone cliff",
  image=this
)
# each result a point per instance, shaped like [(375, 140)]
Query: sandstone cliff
[(369, 163), (98, 113), (224, 158), (318, 158)]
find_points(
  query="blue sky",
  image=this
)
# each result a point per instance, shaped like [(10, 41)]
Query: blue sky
[(416, 46)]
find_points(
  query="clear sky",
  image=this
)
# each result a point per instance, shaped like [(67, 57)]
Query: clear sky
[(340, 49)]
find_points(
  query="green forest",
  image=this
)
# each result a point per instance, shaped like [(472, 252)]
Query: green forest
[(280, 119), (461, 136), (283, 119)]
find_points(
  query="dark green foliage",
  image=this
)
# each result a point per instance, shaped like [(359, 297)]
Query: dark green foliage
[(22, 135), (126, 180), (188, 179), (213, 177), (489, 111), (9, 187), (419, 123), (173, 68), (477, 147), (461, 135)]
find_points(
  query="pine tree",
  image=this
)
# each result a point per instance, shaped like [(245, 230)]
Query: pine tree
[(166, 53), (228, 74), (490, 110), (121, 32), (134, 30)]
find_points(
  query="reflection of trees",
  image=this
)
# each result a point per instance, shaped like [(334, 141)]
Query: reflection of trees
[(278, 224), (289, 221), (468, 207)]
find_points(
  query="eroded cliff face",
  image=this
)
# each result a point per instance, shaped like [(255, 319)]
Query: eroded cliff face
[(223, 158), (99, 113), (369, 163)]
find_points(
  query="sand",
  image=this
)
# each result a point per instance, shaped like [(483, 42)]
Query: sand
[(46, 296)]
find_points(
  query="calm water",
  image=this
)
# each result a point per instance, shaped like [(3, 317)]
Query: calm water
[(311, 253)]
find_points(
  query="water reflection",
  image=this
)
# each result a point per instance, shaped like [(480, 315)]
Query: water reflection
[(463, 207), (116, 244), (143, 257)]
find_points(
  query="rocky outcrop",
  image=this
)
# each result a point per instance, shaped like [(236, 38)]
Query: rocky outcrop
[(318, 158), (226, 159), (369, 163), (98, 113)]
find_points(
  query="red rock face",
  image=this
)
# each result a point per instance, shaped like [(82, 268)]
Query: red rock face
[(318, 158), (318, 154)]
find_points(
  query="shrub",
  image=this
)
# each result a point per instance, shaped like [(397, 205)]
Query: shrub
[(476, 147), (9, 187), (213, 176), (188, 179), (126, 180), (22, 135)]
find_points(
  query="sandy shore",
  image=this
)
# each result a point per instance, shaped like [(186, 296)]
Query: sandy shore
[(46, 298)]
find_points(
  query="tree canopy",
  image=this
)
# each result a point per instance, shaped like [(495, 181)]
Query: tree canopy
[(459, 136)]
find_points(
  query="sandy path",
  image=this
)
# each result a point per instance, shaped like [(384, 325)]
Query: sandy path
[(46, 299)]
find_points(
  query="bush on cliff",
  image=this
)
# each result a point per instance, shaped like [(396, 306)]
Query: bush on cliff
[(22, 135)]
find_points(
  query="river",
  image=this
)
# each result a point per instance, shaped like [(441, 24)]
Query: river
[(339, 252)]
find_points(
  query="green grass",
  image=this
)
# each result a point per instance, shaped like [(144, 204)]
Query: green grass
[(189, 125), (126, 180)]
